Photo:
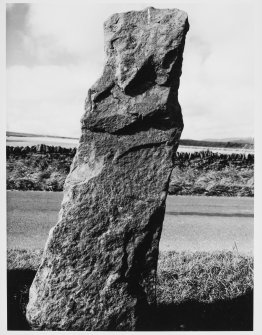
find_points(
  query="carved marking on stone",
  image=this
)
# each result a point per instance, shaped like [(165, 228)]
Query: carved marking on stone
[(148, 16)]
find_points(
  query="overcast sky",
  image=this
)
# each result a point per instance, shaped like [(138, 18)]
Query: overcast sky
[(55, 53)]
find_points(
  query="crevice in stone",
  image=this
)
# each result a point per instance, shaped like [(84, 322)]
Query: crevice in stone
[(143, 80), (124, 265), (104, 94), (136, 272), (169, 58), (138, 147), (158, 120), (173, 79), (113, 41)]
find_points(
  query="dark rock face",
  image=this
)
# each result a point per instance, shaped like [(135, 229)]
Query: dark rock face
[(100, 260)]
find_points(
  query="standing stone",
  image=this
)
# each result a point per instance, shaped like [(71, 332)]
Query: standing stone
[(100, 260)]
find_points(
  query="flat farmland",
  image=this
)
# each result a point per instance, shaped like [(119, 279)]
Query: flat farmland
[(191, 223)]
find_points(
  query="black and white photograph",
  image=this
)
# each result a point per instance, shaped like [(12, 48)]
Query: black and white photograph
[(129, 159)]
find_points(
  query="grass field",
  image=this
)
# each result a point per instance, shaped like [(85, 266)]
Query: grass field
[(195, 291)]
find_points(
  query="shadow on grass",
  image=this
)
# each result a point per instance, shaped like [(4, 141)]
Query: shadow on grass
[(235, 314), (18, 284), (231, 315)]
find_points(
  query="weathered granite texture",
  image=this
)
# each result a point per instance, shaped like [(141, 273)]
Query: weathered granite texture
[(100, 260)]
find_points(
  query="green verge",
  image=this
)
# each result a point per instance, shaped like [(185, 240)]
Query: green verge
[(23, 259), (203, 276)]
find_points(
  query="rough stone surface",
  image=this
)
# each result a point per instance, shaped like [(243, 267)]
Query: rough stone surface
[(100, 260)]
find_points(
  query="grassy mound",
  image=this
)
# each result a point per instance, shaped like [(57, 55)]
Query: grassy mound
[(194, 291)]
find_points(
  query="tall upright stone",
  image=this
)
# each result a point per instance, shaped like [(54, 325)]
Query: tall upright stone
[(100, 260)]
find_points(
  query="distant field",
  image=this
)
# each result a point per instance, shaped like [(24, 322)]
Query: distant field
[(227, 151), (23, 139), (25, 135), (20, 141)]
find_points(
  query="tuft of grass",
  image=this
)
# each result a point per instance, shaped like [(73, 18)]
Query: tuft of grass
[(22, 259), (203, 276)]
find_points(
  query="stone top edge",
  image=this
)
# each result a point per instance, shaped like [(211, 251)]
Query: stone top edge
[(163, 10)]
